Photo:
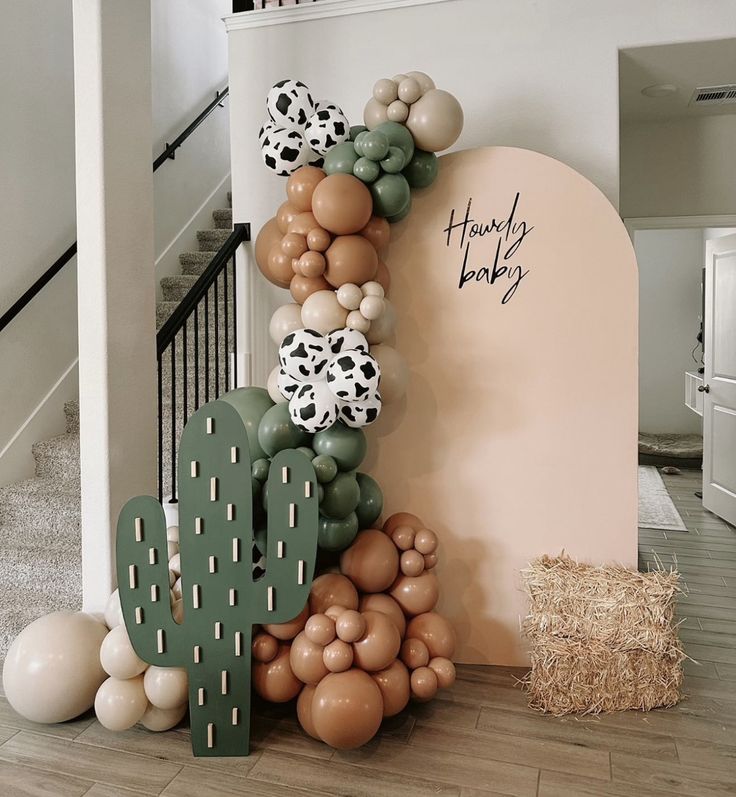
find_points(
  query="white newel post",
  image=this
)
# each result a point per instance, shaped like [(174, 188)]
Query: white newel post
[(116, 294)]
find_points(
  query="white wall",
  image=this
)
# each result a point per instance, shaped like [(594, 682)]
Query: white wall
[(529, 74), (679, 167)]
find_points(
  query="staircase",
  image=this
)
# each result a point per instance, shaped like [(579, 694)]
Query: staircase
[(40, 541)]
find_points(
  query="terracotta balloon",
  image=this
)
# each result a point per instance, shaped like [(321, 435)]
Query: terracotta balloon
[(301, 184), (383, 276), (332, 589), (302, 287), (303, 224), (350, 626), (280, 271), (342, 204), (318, 239), (322, 312), (380, 644), (403, 537), (120, 704), (338, 656), (333, 612), (425, 541), (430, 561), (435, 120), (412, 563), (264, 647), (436, 633), (267, 238), (320, 629), (347, 709), (378, 232), (444, 669), (288, 630), (304, 710), (414, 653), (424, 684), (371, 562), (380, 602), (395, 687), (416, 595), (285, 215), (166, 687), (312, 264), (305, 658), (402, 519), (350, 259), (293, 244), (274, 680)]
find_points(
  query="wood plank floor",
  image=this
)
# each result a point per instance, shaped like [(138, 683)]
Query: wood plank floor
[(478, 739)]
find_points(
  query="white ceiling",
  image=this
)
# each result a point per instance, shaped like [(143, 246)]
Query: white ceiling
[(686, 66)]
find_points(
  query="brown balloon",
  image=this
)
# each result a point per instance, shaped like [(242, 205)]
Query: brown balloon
[(290, 629), (402, 519), (332, 589), (347, 709), (335, 611), (274, 680), (436, 633), (318, 239), (380, 602), (425, 541), (312, 264), (383, 277), (285, 215), (416, 595), (305, 659), (424, 684), (378, 232), (302, 287), (279, 267), (303, 224), (320, 629), (414, 653), (403, 537), (293, 244), (350, 258), (395, 687), (264, 647), (342, 204), (380, 644), (444, 669), (412, 563), (350, 626), (301, 184), (338, 656), (371, 562), (430, 561), (268, 236), (304, 711)]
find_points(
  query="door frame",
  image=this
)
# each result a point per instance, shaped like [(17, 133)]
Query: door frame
[(636, 223)]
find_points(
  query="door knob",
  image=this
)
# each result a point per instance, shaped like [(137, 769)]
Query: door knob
[(703, 388)]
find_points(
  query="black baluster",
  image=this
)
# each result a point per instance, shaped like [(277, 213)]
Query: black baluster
[(196, 357), (235, 328), (206, 347), (173, 420), (217, 342), (227, 331), (160, 431), (185, 370)]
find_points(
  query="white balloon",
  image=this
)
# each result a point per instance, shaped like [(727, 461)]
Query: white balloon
[(313, 408), (175, 564), (272, 386), (176, 589), (322, 312), (394, 372), (356, 320), (173, 548), (120, 704), (349, 295), (113, 611), (158, 719), (372, 288), (423, 79), (285, 319), (166, 687), (371, 307), (384, 326), (117, 656)]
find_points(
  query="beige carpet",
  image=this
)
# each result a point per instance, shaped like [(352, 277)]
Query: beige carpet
[(656, 510)]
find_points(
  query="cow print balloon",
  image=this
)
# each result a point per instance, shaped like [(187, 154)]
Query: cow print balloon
[(289, 103), (326, 128), (357, 414), (353, 376), (304, 355), (313, 408), (284, 151), (286, 384), (345, 339)]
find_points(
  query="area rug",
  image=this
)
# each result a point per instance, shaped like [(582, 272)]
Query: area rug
[(656, 510)]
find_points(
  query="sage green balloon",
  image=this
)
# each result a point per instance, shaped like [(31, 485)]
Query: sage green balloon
[(366, 170), (325, 468), (255, 487), (395, 161), (345, 445), (252, 403), (390, 193), (422, 169), (341, 497), (375, 145), (277, 432), (355, 130), (260, 469), (402, 214), (398, 136), (308, 453), (370, 504), (358, 143), (341, 159), (337, 535), (260, 537)]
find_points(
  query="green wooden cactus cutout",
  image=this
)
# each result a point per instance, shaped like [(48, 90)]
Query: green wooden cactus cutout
[(222, 600)]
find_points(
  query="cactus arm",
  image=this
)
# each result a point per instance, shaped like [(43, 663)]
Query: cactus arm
[(143, 581), (291, 547)]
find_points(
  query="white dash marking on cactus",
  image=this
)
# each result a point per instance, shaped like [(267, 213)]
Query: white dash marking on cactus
[(271, 591), (231, 511), (235, 715), (139, 529), (160, 640), (194, 469), (154, 593), (223, 682), (218, 630), (236, 549), (138, 615), (280, 549), (233, 596), (213, 488), (210, 734), (200, 696), (198, 525), (300, 572), (307, 489), (292, 516), (195, 596), (152, 558), (234, 454), (213, 564), (238, 643), (210, 425), (197, 654), (284, 475), (132, 579)]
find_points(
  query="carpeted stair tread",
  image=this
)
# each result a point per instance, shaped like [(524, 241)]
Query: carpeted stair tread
[(174, 289), (223, 219), (212, 239), (71, 414), (195, 262), (57, 457)]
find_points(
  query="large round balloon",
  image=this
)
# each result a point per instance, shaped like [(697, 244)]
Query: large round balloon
[(304, 354), (332, 589), (371, 562), (394, 685), (313, 407), (252, 403), (378, 232), (380, 643), (336, 535), (422, 169), (350, 259), (380, 602), (117, 656), (52, 670), (166, 687), (341, 497), (304, 710), (284, 150), (300, 187), (289, 103), (274, 680), (346, 446), (326, 128), (120, 704), (436, 633), (347, 709), (342, 204), (322, 312), (159, 719), (286, 319), (435, 120), (416, 595), (370, 504), (277, 431), (391, 195), (269, 236), (289, 629)]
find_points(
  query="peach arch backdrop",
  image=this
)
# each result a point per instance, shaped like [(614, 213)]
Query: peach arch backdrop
[(516, 293)]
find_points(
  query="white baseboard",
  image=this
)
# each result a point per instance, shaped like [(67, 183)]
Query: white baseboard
[(46, 420)]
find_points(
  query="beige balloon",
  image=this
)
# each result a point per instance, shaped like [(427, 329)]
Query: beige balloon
[(273, 387), (52, 670), (117, 656), (113, 610), (383, 328), (435, 120), (423, 79), (120, 704), (394, 372), (374, 114), (285, 319), (385, 91), (158, 719), (166, 687), (172, 534), (356, 320), (398, 111), (322, 312)]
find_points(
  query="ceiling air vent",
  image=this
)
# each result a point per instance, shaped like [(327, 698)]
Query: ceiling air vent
[(714, 95)]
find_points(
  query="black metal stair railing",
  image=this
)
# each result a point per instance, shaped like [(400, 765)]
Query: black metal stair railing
[(196, 349)]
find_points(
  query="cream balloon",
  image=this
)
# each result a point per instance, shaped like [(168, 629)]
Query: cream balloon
[(285, 319), (166, 687), (349, 296), (272, 385), (158, 719), (357, 321), (322, 312), (383, 328), (172, 534), (394, 372), (423, 79), (120, 704), (52, 670), (113, 610), (374, 114), (435, 120), (398, 111), (371, 307), (117, 656)]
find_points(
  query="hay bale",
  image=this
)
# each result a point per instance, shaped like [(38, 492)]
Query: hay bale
[(602, 638)]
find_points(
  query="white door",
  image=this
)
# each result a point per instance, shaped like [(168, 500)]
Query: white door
[(719, 386)]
